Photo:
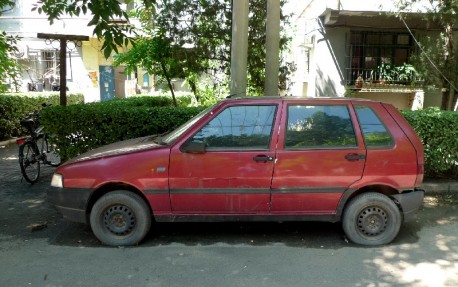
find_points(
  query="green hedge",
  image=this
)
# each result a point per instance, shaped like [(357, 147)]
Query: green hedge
[(439, 133), (14, 106), (79, 128)]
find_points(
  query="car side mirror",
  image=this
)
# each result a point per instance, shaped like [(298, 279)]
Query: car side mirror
[(194, 147)]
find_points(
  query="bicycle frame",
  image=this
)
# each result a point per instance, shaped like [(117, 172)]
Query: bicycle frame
[(37, 148)]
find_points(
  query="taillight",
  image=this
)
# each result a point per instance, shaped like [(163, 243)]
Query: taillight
[(421, 169), (20, 141), (420, 174)]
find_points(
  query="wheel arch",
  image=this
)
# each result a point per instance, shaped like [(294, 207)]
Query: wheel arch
[(109, 187), (349, 194)]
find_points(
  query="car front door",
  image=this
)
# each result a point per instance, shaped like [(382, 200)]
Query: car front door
[(319, 157), (233, 173)]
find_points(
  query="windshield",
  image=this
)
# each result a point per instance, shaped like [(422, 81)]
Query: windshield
[(172, 136)]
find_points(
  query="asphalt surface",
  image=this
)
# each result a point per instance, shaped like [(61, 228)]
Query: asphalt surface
[(39, 248)]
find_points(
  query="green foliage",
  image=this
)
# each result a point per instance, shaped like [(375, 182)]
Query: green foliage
[(104, 14), (157, 55), (78, 128), (13, 107), (204, 27), (439, 133), (405, 73), (10, 70), (437, 61)]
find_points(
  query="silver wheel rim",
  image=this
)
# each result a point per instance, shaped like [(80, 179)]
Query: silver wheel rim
[(372, 221), (119, 220)]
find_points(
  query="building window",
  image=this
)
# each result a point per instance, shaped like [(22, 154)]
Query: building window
[(368, 50), (306, 57)]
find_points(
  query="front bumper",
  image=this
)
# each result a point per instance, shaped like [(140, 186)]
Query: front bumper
[(71, 202), (410, 203)]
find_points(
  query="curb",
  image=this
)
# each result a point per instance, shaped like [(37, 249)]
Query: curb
[(440, 186), (7, 142)]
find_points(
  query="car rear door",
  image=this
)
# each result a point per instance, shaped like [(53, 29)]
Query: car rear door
[(320, 154), (234, 173)]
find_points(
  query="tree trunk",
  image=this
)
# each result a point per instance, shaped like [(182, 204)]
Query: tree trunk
[(449, 59), (455, 101), (193, 87), (445, 97), (169, 82)]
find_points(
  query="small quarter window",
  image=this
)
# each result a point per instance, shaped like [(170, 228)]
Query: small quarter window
[(374, 131)]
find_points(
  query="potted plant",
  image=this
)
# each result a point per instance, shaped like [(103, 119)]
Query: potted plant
[(407, 74), (386, 73)]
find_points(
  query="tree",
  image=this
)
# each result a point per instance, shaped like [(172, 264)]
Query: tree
[(157, 56), (9, 67), (438, 60), (200, 33), (207, 25), (106, 15)]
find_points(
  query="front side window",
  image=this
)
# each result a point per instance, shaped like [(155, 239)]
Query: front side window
[(375, 133), (319, 127), (239, 128)]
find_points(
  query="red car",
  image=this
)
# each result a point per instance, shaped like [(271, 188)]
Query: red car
[(257, 158)]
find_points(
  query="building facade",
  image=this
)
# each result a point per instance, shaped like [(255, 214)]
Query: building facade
[(88, 71), (341, 48)]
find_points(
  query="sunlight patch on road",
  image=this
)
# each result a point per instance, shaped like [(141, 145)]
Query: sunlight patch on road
[(430, 201), (445, 221), (10, 158), (398, 263), (33, 202), (432, 274)]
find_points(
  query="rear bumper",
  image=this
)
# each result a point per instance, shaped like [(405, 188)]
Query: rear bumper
[(410, 203), (71, 202)]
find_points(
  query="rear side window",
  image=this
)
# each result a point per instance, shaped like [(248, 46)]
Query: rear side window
[(239, 128), (375, 133), (320, 126)]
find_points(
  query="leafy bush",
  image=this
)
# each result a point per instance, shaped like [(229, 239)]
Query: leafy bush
[(14, 106), (439, 133), (78, 128), (138, 101)]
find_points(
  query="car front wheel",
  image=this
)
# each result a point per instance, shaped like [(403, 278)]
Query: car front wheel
[(371, 219), (120, 218)]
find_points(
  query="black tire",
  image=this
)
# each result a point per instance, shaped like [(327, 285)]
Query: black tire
[(29, 161), (371, 219), (120, 218), (52, 156)]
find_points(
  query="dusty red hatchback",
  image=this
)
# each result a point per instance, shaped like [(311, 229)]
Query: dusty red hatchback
[(259, 158)]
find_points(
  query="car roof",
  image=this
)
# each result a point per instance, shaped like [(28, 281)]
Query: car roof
[(294, 98)]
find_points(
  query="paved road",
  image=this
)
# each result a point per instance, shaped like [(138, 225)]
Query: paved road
[(38, 248)]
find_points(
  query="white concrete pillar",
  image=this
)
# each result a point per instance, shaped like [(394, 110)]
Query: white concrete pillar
[(272, 48), (239, 47)]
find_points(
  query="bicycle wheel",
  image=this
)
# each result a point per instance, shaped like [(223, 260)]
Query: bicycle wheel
[(29, 161), (52, 157)]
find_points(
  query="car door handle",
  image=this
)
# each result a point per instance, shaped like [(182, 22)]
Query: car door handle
[(355, 157), (263, 158)]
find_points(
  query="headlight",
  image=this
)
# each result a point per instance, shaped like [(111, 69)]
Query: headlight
[(57, 180)]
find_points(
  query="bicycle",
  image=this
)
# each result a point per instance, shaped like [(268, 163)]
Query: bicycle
[(35, 148)]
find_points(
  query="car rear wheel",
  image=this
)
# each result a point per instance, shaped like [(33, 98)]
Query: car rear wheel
[(120, 218), (371, 219)]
